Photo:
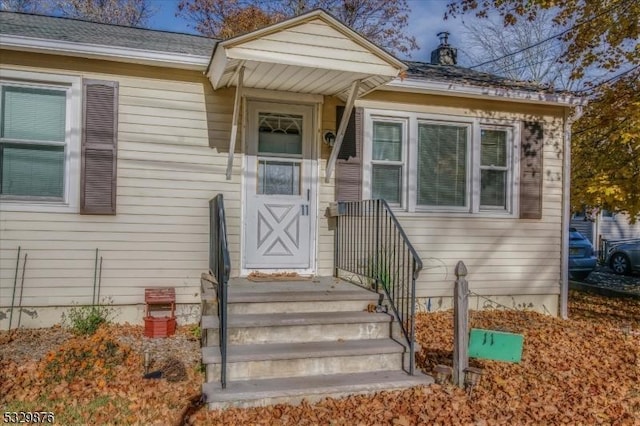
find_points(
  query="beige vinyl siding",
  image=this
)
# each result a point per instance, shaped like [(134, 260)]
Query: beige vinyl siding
[(309, 44), (504, 255), (172, 150), (325, 245), (173, 140)]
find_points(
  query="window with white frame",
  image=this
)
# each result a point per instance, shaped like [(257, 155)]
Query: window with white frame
[(387, 160), (494, 168), (432, 163), (442, 165), (37, 149)]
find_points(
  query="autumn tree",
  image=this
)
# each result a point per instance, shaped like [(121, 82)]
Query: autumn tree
[(603, 37), (26, 6), (135, 13), (225, 18), (384, 22), (606, 149), (521, 51)]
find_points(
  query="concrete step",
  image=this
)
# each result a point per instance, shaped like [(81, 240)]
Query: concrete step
[(263, 361), (299, 327), (209, 325), (253, 393), (300, 301)]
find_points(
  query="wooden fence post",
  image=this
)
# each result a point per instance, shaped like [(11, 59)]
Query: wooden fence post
[(461, 325)]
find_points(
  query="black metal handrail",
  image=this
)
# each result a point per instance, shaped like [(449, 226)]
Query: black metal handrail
[(370, 243), (220, 266)]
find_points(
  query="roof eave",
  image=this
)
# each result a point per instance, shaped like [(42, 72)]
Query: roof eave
[(110, 53), (434, 87)]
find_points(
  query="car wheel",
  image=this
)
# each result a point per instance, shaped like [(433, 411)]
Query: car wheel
[(579, 276), (620, 264)]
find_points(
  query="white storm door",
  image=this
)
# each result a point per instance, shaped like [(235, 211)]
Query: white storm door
[(279, 187)]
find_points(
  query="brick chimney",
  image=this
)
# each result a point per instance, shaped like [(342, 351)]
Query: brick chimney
[(444, 54)]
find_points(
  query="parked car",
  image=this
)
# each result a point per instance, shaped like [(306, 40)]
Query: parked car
[(581, 256), (624, 258)]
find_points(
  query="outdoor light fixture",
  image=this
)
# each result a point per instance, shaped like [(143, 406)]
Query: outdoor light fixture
[(472, 377), (443, 373), (329, 137)]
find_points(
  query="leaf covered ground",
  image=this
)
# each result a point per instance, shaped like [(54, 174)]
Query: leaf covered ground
[(582, 371)]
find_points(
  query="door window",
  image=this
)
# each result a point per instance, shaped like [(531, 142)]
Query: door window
[(278, 177), (279, 135)]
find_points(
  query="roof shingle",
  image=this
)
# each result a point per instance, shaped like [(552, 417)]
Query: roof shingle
[(454, 73), (77, 31), (73, 30)]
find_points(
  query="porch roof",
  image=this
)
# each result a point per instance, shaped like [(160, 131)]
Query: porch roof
[(313, 53)]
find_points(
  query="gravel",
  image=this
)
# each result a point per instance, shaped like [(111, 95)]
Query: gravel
[(32, 344)]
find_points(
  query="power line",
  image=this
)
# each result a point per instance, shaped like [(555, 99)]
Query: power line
[(549, 38), (609, 80)]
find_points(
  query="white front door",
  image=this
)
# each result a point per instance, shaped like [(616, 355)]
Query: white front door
[(279, 212)]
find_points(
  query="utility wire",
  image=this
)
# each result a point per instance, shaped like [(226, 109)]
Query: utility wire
[(609, 80), (549, 38)]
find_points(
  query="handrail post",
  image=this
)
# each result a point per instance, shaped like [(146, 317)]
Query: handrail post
[(461, 325), (336, 251), (220, 266), (377, 252), (412, 334)]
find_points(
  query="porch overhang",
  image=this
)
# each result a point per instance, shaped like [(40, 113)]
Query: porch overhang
[(313, 53), (310, 54)]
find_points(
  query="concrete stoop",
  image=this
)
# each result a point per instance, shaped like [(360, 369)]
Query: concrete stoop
[(300, 340)]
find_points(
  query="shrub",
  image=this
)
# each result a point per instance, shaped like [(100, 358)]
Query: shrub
[(85, 320)]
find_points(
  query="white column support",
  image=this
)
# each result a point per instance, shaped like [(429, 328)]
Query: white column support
[(234, 121), (348, 108), (235, 73)]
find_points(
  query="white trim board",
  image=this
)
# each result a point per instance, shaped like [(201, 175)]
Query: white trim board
[(415, 85), (73, 86), (111, 53)]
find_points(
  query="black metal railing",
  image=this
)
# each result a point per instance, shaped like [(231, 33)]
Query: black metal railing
[(370, 243), (220, 265)]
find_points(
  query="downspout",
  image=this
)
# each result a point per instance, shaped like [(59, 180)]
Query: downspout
[(569, 119)]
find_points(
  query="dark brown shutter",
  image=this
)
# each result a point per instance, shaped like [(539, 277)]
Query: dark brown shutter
[(531, 172), (99, 147), (349, 163), (348, 148)]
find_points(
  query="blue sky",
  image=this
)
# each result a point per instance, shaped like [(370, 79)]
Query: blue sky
[(425, 21)]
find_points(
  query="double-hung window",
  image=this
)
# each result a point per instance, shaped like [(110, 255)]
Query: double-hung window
[(387, 160), (442, 165), (433, 163), (495, 168), (37, 149)]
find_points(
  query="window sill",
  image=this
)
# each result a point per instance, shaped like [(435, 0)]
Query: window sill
[(455, 214), (13, 205)]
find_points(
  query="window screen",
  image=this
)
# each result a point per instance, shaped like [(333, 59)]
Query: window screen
[(442, 165), (387, 164), (493, 168), (32, 144)]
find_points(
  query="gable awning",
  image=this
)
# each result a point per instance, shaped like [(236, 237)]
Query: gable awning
[(312, 53)]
